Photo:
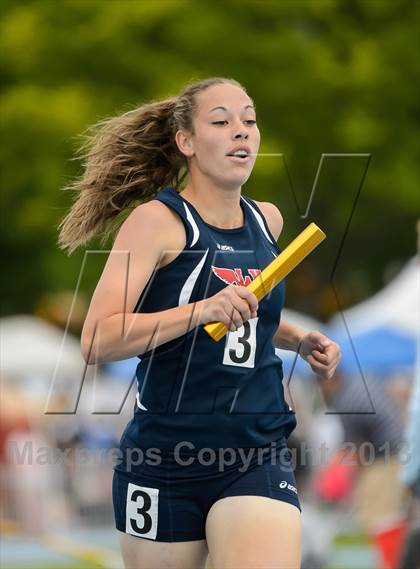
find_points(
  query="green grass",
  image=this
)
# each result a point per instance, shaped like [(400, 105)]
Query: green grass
[(351, 539)]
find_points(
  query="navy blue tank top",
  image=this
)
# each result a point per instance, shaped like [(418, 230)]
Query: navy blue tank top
[(195, 390)]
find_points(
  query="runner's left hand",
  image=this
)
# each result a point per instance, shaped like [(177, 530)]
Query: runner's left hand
[(321, 353)]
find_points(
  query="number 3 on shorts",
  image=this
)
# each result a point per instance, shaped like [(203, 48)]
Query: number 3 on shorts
[(142, 511), (241, 345)]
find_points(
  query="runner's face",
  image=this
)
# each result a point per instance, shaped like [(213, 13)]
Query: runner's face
[(218, 131)]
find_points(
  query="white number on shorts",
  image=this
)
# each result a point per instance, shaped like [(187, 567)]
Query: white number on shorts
[(142, 511), (241, 345)]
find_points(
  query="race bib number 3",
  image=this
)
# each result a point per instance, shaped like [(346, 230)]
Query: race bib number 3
[(241, 345), (142, 511)]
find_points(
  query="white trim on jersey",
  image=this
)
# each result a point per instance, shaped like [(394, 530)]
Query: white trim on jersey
[(259, 219), (139, 403), (196, 231), (187, 289)]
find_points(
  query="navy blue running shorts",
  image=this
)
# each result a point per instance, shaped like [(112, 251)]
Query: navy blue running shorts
[(167, 498)]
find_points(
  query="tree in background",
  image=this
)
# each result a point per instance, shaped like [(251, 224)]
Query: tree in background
[(326, 76)]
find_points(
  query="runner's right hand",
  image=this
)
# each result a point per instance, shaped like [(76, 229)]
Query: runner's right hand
[(233, 306)]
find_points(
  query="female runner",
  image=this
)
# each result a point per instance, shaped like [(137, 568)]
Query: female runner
[(204, 466)]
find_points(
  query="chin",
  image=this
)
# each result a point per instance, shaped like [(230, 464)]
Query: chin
[(234, 181), (228, 179), (240, 181)]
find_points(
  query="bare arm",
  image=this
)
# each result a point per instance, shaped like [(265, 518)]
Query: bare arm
[(111, 330), (125, 334), (288, 336)]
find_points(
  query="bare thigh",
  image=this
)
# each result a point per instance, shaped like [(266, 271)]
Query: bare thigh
[(142, 553), (253, 532)]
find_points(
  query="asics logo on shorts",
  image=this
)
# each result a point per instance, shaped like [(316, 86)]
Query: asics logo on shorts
[(284, 484)]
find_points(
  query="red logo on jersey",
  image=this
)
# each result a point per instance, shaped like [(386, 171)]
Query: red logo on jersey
[(235, 276)]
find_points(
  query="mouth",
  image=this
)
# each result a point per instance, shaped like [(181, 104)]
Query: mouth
[(239, 159), (240, 155)]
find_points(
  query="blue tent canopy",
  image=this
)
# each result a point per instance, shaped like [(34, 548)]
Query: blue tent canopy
[(123, 369), (380, 351)]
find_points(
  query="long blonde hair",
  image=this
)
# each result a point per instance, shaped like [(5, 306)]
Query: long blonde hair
[(127, 159)]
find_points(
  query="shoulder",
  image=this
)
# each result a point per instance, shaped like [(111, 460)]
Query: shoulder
[(273, 217), (154, 221)]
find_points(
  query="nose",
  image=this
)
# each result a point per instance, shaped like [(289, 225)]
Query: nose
[(240, 131), (241, 134)]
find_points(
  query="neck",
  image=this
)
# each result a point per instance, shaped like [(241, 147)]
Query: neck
[(216, 205)]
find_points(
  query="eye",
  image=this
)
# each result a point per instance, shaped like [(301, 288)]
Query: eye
[(249, 121)]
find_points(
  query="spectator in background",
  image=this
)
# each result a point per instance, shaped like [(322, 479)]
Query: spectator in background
[(373, 435), (410, 476)]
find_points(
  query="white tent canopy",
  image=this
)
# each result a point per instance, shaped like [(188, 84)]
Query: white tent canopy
[(33, 347), (396, 306)]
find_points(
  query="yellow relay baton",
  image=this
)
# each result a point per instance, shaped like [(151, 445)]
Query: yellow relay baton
[(275, 271)]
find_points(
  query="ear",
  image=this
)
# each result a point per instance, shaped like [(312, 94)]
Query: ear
[(184, 142)]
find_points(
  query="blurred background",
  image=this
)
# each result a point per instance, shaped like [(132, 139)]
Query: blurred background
[(336, 87)]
